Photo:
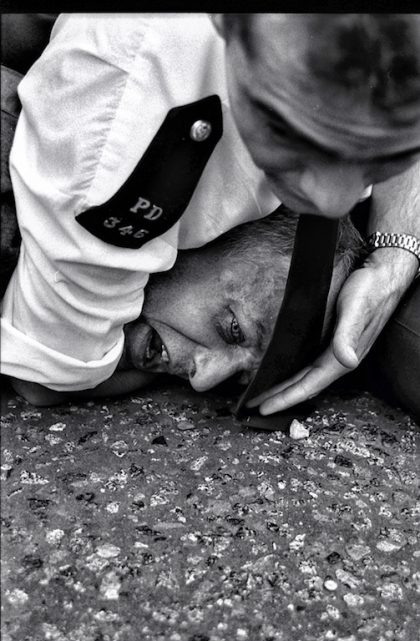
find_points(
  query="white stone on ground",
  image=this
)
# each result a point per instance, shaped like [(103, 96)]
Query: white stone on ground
[(298, 430)]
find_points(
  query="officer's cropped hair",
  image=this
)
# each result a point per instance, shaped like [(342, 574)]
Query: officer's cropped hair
[(374, 56)]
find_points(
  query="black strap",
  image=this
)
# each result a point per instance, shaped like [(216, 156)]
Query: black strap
[(296, 338)]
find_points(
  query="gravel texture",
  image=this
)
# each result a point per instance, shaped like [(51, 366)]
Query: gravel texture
[(159, 517)]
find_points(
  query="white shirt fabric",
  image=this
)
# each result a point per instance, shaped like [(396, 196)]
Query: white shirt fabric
[(90, 107)]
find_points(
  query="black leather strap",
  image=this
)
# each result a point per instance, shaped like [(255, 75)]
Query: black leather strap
[(296, 338)]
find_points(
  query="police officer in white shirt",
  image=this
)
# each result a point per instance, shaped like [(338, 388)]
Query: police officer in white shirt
[(144, 134)]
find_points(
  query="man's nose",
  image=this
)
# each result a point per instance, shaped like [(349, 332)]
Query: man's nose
[(333, 187), (211, 367)]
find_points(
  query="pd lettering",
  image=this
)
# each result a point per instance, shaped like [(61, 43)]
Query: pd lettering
[(153, 211)]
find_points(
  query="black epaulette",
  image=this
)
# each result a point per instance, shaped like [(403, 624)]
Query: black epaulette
[(159, 189)]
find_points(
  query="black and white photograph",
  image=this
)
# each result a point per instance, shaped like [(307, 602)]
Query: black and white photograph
[(210, 326)]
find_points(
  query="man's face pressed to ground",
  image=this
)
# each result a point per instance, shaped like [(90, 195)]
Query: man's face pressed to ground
[(211, 316), (206, 320), (320, 143)]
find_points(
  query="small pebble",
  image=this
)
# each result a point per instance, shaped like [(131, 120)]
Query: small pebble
[(112, 508), (16, 596), (298, 430), (31, 478), (330, 584), (347, 578), (119, 448), (357, 551), (198, 463), (54, 536), (385, 545), (298, 542), (53, 439), (110, 586), (184, 425), (391, 591), (353, 600), (107, 551), (57, 427)]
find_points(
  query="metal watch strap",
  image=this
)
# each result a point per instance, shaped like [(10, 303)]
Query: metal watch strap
[(403, 241)]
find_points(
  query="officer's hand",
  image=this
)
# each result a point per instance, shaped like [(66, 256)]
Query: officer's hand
[(366, 301)]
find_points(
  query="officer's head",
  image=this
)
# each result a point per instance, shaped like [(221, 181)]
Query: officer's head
[(327, 104), (214, 311)]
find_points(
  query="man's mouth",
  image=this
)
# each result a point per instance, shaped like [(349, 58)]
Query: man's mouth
[(144, 348), (155, 352)]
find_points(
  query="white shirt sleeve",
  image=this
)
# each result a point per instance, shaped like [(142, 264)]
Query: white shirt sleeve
[(90, 107), (76, 142)]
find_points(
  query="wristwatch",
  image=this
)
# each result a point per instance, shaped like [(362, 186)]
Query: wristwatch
[(403, 241)]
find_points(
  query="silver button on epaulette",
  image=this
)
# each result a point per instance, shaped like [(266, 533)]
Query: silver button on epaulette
[(200, 130)]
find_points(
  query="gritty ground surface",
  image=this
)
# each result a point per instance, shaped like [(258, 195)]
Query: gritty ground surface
[(159, 517)]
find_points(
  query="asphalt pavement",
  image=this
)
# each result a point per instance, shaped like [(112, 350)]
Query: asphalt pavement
[(160, 517)]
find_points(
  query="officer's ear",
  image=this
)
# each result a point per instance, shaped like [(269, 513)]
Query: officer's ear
[(219, 24)]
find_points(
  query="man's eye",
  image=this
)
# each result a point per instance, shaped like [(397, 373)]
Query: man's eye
[(235, 331)]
